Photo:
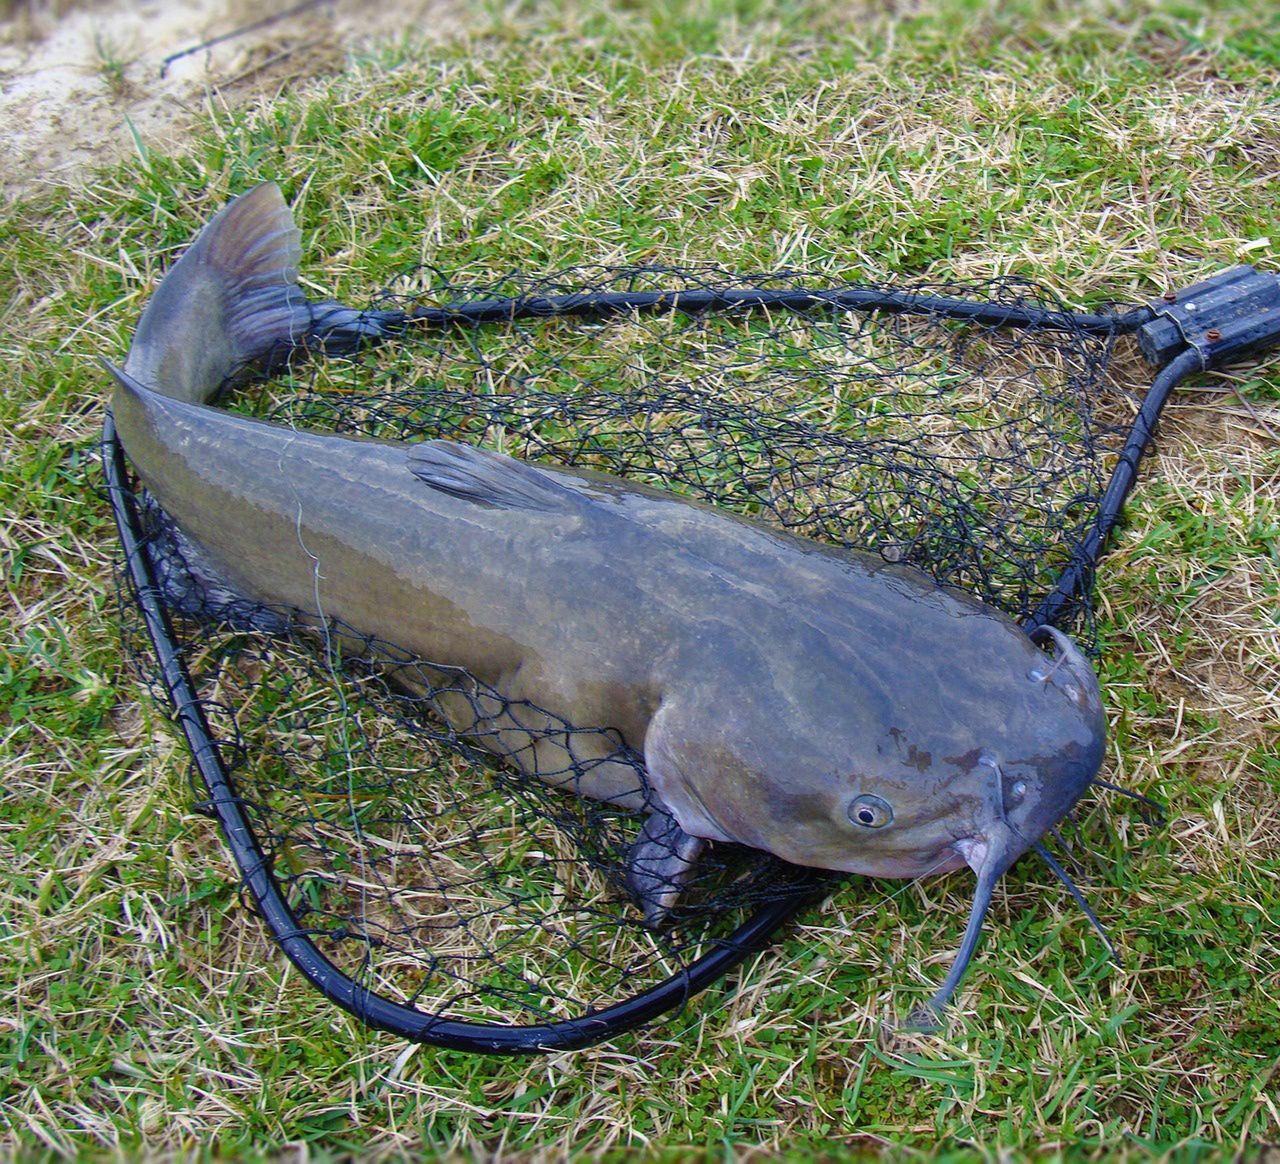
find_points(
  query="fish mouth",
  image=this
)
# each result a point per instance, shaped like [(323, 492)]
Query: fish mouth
[(976, 852)]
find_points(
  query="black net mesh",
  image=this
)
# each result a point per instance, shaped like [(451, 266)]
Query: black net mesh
[(437, 872)]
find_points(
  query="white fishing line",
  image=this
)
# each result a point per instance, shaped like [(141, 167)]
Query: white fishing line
[(338, 688)]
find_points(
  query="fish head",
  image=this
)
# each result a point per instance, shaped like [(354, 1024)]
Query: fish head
[(966, 770), (986, 806), (971, 771), (1035, 729)]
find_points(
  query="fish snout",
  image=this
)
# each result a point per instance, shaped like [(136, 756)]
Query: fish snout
[(1070, 768), (1030, 797), (1040, 794)]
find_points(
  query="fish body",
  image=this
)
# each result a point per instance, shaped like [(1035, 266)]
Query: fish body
[(823, 705)]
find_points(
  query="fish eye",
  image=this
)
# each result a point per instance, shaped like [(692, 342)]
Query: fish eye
[(870, 812), (1017, 790)]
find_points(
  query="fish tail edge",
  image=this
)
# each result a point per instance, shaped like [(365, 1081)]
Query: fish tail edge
[(231, 300)]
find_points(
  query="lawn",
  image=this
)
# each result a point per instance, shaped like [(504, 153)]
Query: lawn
[(1106, 151)]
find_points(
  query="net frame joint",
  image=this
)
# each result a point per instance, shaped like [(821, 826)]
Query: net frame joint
[(1231, 314)]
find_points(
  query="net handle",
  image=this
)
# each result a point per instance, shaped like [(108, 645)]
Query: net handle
[(701, 300)]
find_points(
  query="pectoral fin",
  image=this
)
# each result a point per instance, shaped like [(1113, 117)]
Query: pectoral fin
[(660, 864)]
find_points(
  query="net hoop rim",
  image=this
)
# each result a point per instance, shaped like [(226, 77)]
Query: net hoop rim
[(593, 1026)]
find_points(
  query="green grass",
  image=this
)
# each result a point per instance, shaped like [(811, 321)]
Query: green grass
[(1107, 150)]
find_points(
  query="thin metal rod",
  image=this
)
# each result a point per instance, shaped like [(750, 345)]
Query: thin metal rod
[(1075, 579), (265, 22)]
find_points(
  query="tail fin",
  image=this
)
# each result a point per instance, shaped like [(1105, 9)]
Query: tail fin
[(230, 300)]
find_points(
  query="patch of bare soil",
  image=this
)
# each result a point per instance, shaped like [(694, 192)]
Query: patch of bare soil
[(75, 76)]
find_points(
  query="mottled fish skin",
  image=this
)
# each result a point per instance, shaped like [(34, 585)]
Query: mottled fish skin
[(820, 704)]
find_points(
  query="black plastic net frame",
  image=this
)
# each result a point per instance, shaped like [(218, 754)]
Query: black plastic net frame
[(978, 432)]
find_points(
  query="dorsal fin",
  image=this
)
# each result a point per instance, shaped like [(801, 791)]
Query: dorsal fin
[(489, 479)]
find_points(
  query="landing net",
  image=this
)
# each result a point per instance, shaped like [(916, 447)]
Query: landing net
[(967, 429)]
